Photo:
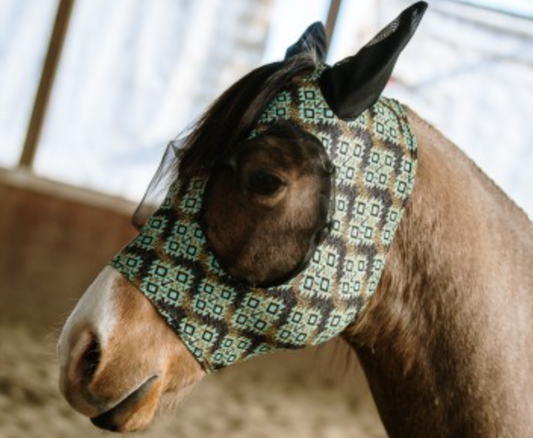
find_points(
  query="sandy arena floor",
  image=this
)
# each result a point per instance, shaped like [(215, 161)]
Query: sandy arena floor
[(278, 397)]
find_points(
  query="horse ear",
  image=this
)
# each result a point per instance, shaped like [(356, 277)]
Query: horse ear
[(313, 40), (355, 83)]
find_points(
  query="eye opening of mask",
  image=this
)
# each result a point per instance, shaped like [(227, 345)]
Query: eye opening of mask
[(326, 211)]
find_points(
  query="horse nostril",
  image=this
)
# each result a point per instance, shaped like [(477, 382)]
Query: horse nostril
[(90, 360), (83, 358)]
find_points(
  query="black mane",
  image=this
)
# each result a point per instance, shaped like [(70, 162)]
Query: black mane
[(231, 117)]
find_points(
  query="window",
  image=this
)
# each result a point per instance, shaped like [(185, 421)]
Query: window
[(133, 74), (25, 28)]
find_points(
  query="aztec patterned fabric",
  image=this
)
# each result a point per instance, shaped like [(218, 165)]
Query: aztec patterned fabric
[(222, 320)]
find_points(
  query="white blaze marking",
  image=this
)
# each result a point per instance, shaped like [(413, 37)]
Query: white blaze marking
[(94, 312)]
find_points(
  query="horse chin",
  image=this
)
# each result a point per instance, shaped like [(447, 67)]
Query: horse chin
[(135, 412)]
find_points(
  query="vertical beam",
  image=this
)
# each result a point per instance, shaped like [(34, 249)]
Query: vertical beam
[(333, 12), (42, 97)]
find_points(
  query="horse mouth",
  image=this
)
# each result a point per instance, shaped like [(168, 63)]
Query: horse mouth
[(118, 418)]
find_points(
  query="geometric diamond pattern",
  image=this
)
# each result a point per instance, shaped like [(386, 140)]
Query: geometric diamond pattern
[(317, 283), (187, 240), (300, 324), (231, 348), (213, 299), (258, 314)]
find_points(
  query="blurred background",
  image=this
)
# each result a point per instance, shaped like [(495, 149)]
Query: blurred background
[(91, 91)]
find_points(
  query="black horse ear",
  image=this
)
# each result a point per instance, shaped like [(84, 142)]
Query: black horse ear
[(355, 83), (313, 40)]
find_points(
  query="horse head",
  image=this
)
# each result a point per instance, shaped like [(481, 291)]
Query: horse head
[(247, 252)]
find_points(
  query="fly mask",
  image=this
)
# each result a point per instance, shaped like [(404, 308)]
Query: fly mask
[(222, 319)]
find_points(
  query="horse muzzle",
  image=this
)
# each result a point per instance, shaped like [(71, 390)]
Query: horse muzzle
[(118, 357), (106, 392)]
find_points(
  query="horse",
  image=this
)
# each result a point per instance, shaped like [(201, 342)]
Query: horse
[(445, 340)]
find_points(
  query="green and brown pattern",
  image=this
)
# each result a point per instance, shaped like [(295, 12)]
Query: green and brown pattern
[(222, 320)]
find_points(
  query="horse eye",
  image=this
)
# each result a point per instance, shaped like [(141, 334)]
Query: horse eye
[(264, 183)]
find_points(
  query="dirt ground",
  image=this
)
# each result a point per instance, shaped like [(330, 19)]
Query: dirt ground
[(275, 396)]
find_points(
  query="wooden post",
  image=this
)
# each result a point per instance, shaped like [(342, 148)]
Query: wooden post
[(46, 83), (333, 12)]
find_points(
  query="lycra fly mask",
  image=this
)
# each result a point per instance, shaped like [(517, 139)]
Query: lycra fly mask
[(222, 319)]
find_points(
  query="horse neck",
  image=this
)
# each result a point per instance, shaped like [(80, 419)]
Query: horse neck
[(443, 337)]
